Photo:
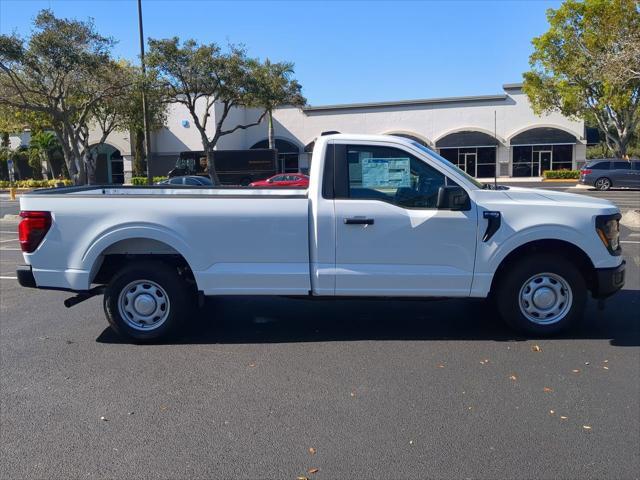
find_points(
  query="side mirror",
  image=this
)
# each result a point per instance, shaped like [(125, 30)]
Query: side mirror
[(270, 180), (453, 197)]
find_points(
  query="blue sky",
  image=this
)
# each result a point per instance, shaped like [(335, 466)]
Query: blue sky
[(344, 52)]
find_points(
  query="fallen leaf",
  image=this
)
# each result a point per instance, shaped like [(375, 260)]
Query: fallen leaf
[(575, 370), (353, 394), (513, 377), (410, 442), (562, 417), (536, 348), (605, 361), (552, 412), (586, 363), (312, 450), (104, 419), (313, 470), (586, 427), (301, 478), (547, 389), (441, 366), (605, 367), (131, 413), (470, 408), (252, 365)]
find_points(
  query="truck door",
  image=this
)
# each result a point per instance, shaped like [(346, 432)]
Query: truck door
[(390, 237)]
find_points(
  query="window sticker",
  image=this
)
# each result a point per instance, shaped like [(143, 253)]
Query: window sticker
[(386, 172)]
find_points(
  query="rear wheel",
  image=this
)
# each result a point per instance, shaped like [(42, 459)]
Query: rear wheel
[(541, 295), (147, 301), (603, 183)]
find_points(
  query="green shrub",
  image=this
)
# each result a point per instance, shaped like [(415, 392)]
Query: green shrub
[(31, 183), (562, 174), (143, 180)]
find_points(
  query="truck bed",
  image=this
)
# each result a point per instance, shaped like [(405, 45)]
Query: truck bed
[(234, 239)]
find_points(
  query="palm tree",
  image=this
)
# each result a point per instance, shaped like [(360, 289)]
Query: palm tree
[(45, 143)]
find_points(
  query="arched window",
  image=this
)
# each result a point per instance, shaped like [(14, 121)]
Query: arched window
[(541, 148), (288, 154), (109, 164), (472, 151)]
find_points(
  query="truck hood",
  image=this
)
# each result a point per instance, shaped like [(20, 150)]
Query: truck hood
[(537, 196)]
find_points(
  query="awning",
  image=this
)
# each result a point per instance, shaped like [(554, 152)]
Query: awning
[(543, 136), (466, 139)]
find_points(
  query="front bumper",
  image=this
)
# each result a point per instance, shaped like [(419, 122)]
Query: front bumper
[(25, 276), (609, 280)]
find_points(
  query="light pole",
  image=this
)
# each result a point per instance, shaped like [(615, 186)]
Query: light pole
[(145, 114)]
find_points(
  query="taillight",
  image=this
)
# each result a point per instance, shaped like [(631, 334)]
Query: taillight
[(32, 229), (585, 171)]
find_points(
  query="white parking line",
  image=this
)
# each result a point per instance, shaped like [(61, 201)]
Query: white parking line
[(8, 278), (10, 249), (629, 241), (10, 240)]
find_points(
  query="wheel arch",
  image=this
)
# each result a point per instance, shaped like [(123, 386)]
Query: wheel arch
[(563, 248), (132, 242)]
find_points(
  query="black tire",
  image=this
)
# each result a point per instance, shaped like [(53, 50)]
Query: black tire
[(517, 280), (603, 183), (165, 286)]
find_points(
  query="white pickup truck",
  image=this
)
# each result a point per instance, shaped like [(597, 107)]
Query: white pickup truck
[(383, 217)]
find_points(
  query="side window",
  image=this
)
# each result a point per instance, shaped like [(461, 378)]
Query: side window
[(392, 175), (621, 165), (600, 166)]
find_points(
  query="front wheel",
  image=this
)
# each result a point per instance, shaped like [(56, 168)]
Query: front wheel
[(146, 301), (541, 295), (603, 183)]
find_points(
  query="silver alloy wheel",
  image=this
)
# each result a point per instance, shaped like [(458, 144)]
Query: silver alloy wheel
[(603, 184), (143, 305), (545, 298)]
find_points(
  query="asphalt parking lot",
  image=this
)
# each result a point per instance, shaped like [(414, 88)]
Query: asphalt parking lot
[(276, 388)]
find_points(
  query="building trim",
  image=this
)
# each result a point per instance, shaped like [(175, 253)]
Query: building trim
[(404, 103)]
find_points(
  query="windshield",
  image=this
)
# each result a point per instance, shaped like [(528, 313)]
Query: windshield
[(449, 164)]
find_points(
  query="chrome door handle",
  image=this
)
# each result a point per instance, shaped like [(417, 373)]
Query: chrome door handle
[(358, 221)]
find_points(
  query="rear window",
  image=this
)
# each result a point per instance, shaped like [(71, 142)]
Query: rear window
[(599, 166)]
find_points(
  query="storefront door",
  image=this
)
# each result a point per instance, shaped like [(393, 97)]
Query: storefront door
[(469, 163), (544, 162)]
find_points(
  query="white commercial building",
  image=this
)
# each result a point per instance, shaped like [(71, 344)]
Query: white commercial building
[(478, 133)]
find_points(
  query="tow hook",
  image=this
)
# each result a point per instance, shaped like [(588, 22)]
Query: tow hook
[(82, 296)]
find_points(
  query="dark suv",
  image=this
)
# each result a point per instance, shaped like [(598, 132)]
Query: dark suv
[(606, 173)]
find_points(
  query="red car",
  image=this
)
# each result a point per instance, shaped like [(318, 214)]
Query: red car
[(284, 180)]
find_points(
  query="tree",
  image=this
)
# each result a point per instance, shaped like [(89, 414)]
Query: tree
[(574, 67), (63, 72), (276, 88), (124, 113), (44, 144), (200, 76)]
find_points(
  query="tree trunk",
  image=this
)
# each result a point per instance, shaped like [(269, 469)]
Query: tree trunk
[(139, 168), (44, 166), (5, 142), (212, 167), (271, 134)]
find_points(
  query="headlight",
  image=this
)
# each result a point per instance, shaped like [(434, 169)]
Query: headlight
[(608, 229)]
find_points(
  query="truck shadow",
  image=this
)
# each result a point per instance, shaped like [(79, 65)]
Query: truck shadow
[(246, 320)]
